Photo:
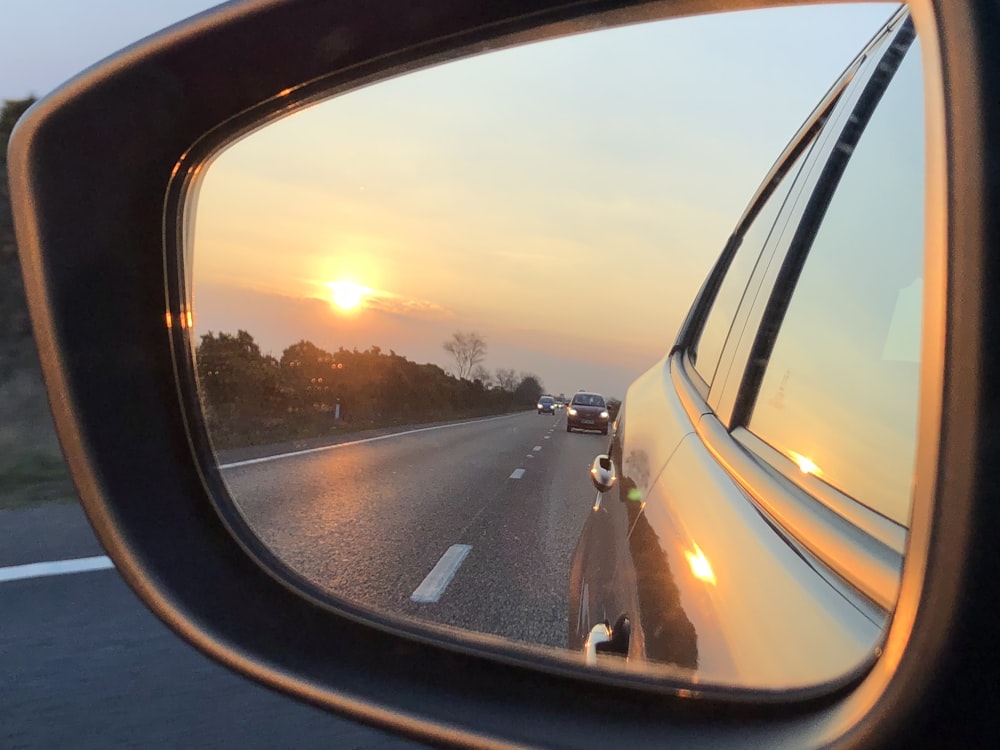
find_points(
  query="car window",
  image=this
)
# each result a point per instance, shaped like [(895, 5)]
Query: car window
[(840, 391), (712, 340)]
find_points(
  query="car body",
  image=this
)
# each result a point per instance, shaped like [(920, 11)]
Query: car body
[(546, 405), (587, 411), (731, 418), (128, 418)]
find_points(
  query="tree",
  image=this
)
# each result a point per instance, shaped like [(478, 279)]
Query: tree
[(614, 405), (528, 390), (17, 350), (506, 379), (310, 375), (235, 377), (482, 375), (468, 349)]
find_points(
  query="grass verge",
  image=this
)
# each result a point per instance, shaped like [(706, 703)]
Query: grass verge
[(34, 479)]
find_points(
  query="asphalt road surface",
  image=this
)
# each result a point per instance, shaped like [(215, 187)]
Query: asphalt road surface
[(470, 525), (84, 665)]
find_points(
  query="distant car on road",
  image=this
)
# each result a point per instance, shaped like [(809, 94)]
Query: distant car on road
[(546, 405), (587, 411)]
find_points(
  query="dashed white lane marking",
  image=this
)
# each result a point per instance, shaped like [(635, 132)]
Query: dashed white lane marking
[(546, 437), (518, 473), (530, 455), (431, 588), (537, 448), (55, 568), (265, 459)]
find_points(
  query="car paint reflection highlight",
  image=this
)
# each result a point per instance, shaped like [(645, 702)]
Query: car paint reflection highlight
[(806, 465), (701, 568)]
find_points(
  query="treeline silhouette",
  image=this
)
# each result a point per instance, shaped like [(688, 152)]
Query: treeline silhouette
[(250, 398)]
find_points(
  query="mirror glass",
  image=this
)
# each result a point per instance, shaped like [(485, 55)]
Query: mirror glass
[(418, 307)]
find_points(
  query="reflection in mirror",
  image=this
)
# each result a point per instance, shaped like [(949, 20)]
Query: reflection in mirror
[(418, 308)]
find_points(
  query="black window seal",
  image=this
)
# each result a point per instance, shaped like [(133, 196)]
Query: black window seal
[(694, 322), (812, 220)]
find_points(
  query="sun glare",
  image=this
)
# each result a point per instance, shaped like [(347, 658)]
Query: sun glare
[(347, 295)]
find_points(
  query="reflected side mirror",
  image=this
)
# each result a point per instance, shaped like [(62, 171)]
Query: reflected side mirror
[(602, 473)]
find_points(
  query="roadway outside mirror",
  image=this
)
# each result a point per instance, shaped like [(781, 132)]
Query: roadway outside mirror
[(397, 292)]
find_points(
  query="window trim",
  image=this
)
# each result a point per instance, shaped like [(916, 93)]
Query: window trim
[(862, 546), (691, 329), (810, 222)]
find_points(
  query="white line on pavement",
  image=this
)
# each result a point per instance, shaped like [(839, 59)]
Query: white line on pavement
[(518, 473), (431, 588), (264, 459), (530, 455), (55, 568), (537, 448), (546, 437)]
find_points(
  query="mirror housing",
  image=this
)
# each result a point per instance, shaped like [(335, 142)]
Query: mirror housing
[(98, 270), (602, 473)]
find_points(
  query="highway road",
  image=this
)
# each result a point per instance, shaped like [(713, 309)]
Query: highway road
[(470, 525), (84, 665)]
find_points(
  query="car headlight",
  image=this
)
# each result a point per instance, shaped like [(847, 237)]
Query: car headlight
[(572, 412), (604, 415), (539, 406)]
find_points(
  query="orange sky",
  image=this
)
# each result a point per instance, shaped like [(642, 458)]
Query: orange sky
[(564, 199)]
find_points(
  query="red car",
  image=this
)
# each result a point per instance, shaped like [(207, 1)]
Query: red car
[(587, 411)]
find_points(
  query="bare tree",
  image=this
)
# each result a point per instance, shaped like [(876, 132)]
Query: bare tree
[(468, 349), (507, 379), (483, 375)]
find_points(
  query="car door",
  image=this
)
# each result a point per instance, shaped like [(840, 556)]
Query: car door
[(743, 552), (614, 570)]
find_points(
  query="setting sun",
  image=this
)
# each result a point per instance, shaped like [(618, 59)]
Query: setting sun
[(347, 295)]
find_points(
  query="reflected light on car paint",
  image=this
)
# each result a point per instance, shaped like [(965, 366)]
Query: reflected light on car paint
[(700, 566), (806, 465), (186, 319)]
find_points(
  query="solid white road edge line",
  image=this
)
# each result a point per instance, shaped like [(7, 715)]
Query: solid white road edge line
[(431, 588), (518, 473), (265, 459), (55, 568)]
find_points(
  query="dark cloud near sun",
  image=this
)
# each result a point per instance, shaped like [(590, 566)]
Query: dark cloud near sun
[(392, 304)]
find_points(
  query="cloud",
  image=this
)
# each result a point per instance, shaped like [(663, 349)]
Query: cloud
[(398, 305)]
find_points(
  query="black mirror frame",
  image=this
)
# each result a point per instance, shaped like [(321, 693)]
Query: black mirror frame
[(90, 167)]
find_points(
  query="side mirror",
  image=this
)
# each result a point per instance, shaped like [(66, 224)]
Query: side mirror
[(112, 302), (602, 473)]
